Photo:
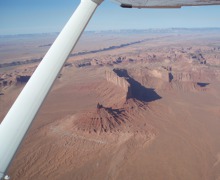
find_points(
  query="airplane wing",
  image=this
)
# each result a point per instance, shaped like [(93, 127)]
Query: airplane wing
[(16, 123), (165, 3)]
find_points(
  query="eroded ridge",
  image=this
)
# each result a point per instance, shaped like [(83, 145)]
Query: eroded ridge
[(119, 81), (109, 120)]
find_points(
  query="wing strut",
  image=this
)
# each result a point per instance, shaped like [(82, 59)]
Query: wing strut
[(19, 118)]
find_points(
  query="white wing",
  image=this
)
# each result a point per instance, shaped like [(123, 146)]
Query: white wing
[(19, 118)]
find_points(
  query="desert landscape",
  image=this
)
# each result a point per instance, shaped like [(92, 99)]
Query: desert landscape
[(129, 104)]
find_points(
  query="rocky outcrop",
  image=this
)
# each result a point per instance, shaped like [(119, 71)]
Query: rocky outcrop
[(182, 76), (121, 82), (191, 76), (8, 80), (5, 83), (109, 120), (134, 89), (101, 120), (82, 64), (18, 63), (198, 57), (22, 79)]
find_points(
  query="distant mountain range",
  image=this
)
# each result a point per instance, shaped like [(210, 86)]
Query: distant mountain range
[(133, 31)]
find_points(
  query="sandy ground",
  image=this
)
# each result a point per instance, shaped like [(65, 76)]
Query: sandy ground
[(175, 135)]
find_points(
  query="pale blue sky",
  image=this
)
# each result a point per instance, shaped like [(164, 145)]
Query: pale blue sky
[(43, 16)]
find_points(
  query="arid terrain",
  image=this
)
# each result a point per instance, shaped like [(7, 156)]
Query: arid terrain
[(127, 105)]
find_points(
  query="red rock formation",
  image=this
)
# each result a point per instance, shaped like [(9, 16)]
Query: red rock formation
[(121, 82), (109, 120)]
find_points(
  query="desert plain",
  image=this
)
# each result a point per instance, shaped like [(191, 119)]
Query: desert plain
[(132, 104)]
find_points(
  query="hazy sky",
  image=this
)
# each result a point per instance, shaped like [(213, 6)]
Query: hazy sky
[(37, 16)]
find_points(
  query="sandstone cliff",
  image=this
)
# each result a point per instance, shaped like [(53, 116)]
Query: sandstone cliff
[(121, 82)]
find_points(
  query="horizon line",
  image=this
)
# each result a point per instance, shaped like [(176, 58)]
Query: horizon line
[(115, 30)]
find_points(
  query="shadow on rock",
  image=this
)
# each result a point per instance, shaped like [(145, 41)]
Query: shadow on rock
[(137, 91)]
